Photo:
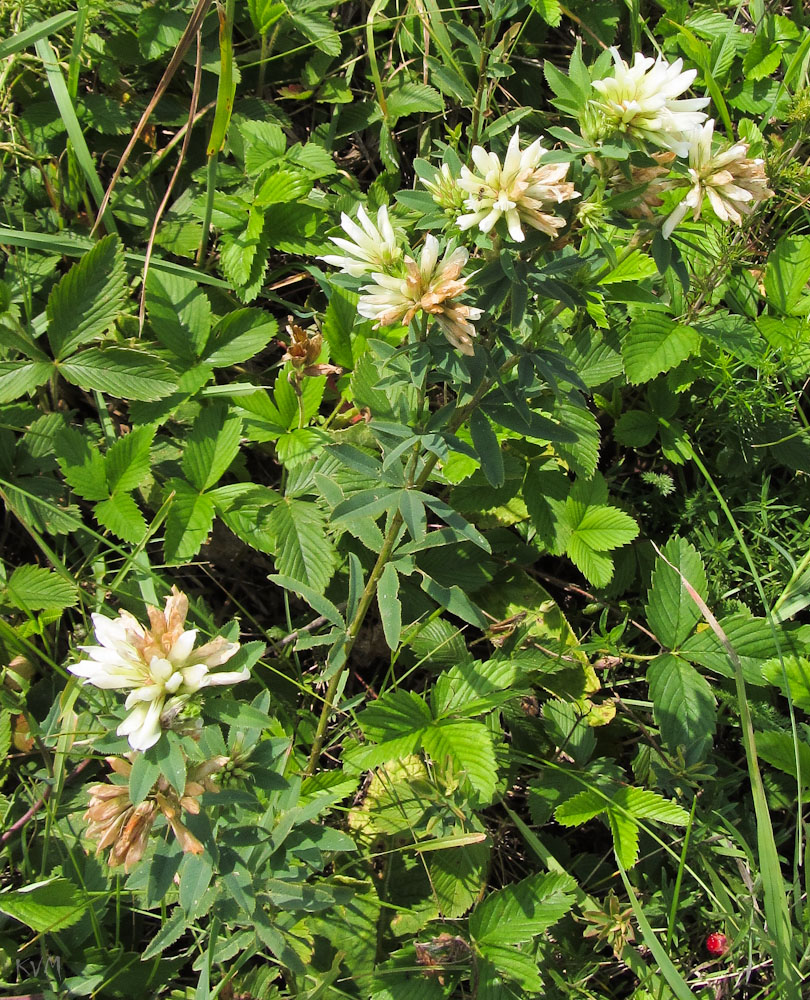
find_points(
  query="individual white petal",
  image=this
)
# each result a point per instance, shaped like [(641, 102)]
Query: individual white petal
[(227, 677), (675, 216), (194, 677), (142, 725), (430, 255), (480, 158), (513, 225), (182, 647)]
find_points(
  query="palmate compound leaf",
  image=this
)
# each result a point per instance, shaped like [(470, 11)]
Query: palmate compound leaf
[(683, 705), (515, 914), (302, 549), (85, 303), (624, 809), (589, 528), (671, 611)]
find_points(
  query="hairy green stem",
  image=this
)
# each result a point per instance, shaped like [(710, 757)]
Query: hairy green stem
[(482, 80), (389, 542), (376, 7)]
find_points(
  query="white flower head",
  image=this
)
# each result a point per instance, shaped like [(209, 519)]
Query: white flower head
[(733, 183), (369, 248), (642, 100), (432, 285), (155, 664), (519, 190)]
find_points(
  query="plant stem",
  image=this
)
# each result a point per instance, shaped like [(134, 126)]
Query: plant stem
[(482, 80), (382, 559), (211, 187)]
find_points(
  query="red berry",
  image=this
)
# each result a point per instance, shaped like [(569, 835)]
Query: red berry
[(717, 944)]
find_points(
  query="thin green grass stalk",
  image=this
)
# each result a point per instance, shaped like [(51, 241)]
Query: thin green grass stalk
[(674, 979), (477, 110), (63, 744), (42, 29), (776, 908), (71, 122), (76, 246), (676, 895), (376, 8), (76, 49)]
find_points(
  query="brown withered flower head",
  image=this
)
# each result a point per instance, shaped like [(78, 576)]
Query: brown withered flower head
[(115, 822), (303, 351), (648, 182)]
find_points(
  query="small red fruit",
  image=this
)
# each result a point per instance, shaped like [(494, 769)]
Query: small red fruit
[(717, 944)]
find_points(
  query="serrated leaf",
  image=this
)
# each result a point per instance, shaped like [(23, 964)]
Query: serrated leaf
[(549, 10), (395, 713), (211, 446), (413, 97), (778, 749), (654, 344), (751, 637), (121, 372), (625, 837), (605, 528), (85, 303), (635, 267), (389, 605), (303, 550), (793, 681), (265, 13), (643, 803), (46, 906), (671, 611), (469, 747), (170, 931), (516, 914), (188, 522), (238, 336), (471, 687), (581, 454), (179, 313), (636, 428), (319, 29), (683, 705), (458, 876), (82, 464), (34, 588), (338, 324), (788, 272), (126, 463), (580, 808), (17, 378), (122, 516), (488, 447)]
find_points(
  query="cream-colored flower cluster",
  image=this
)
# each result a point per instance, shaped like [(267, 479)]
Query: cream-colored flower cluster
[(643, 101), (399, 287), (159, 666)]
